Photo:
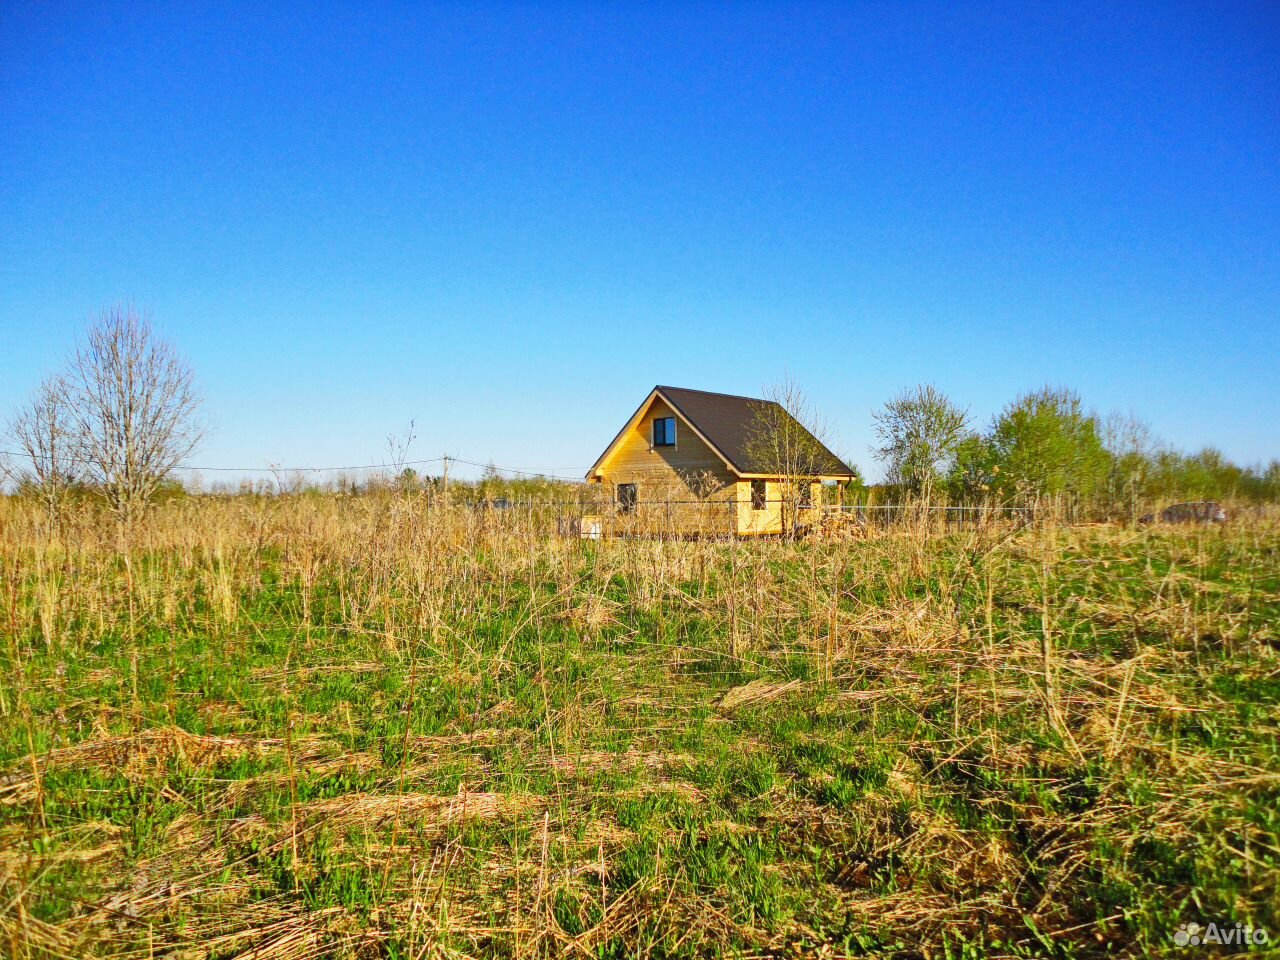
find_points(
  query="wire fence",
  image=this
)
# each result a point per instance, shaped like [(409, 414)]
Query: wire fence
[(568, 506), (595, 518)]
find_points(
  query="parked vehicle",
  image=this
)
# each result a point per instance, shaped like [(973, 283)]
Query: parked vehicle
[(1193, 511)]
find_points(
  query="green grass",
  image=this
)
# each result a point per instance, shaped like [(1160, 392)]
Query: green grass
[(479, 744)]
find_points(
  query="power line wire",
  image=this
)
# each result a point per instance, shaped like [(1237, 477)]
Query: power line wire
[(268, 469), (552, 473)]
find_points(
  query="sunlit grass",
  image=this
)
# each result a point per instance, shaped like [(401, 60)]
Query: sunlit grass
[(356, 726)]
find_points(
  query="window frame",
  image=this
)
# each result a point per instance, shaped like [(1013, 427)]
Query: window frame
[(668, 432), (628, 495), (759, 494)]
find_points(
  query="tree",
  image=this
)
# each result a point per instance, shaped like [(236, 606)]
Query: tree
[(786, 442), (920, 431), (43, 432), (1132, 449), (133, 407), (1045, 445), (1207, 474), (973, 470), (404, 478), (1270, 481)]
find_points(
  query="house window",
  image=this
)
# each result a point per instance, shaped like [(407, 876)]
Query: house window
[(806, 495), (627, 496), (664, 432), (757, 494)]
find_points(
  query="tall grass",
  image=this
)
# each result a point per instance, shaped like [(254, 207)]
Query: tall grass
[(373, 726)]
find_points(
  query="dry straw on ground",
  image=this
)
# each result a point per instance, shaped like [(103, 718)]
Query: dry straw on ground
[(322, 726)]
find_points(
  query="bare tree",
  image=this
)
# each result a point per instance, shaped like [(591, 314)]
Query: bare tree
[(288, 482), (133, 409), (403, 478), (43, 432), (920, 431), (786, 444), (1133, 450)]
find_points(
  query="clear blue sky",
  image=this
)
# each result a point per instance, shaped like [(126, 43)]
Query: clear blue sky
[(509, 222)]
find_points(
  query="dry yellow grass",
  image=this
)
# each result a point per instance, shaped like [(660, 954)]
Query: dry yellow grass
[(373, 726)]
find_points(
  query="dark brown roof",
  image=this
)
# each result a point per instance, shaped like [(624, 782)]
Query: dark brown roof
[(730, 422)]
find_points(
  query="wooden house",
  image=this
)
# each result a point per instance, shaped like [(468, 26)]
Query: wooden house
[(693, 462)]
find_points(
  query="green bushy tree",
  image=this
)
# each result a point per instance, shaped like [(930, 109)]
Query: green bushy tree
[(919, 431), (1044, 444), (973, 470)]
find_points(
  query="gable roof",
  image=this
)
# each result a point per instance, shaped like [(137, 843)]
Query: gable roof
[(727, 423)]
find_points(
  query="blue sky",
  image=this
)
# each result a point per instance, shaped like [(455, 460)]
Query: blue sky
[(508, 222)]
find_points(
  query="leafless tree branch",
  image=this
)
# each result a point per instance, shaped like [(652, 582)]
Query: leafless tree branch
[(133, 407), (786, 442), (43, 432)]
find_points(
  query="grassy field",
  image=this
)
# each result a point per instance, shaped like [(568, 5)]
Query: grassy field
[(324, 726)]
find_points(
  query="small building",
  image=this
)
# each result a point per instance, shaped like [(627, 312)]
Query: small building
[(693, 462)]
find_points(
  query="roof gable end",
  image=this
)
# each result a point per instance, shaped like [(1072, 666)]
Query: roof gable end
[(639, 415)]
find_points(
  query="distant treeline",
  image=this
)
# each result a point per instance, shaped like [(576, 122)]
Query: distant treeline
[(1045, 446), (491, 486)]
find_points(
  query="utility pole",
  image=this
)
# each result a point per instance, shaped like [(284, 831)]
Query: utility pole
[(445, 482)]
